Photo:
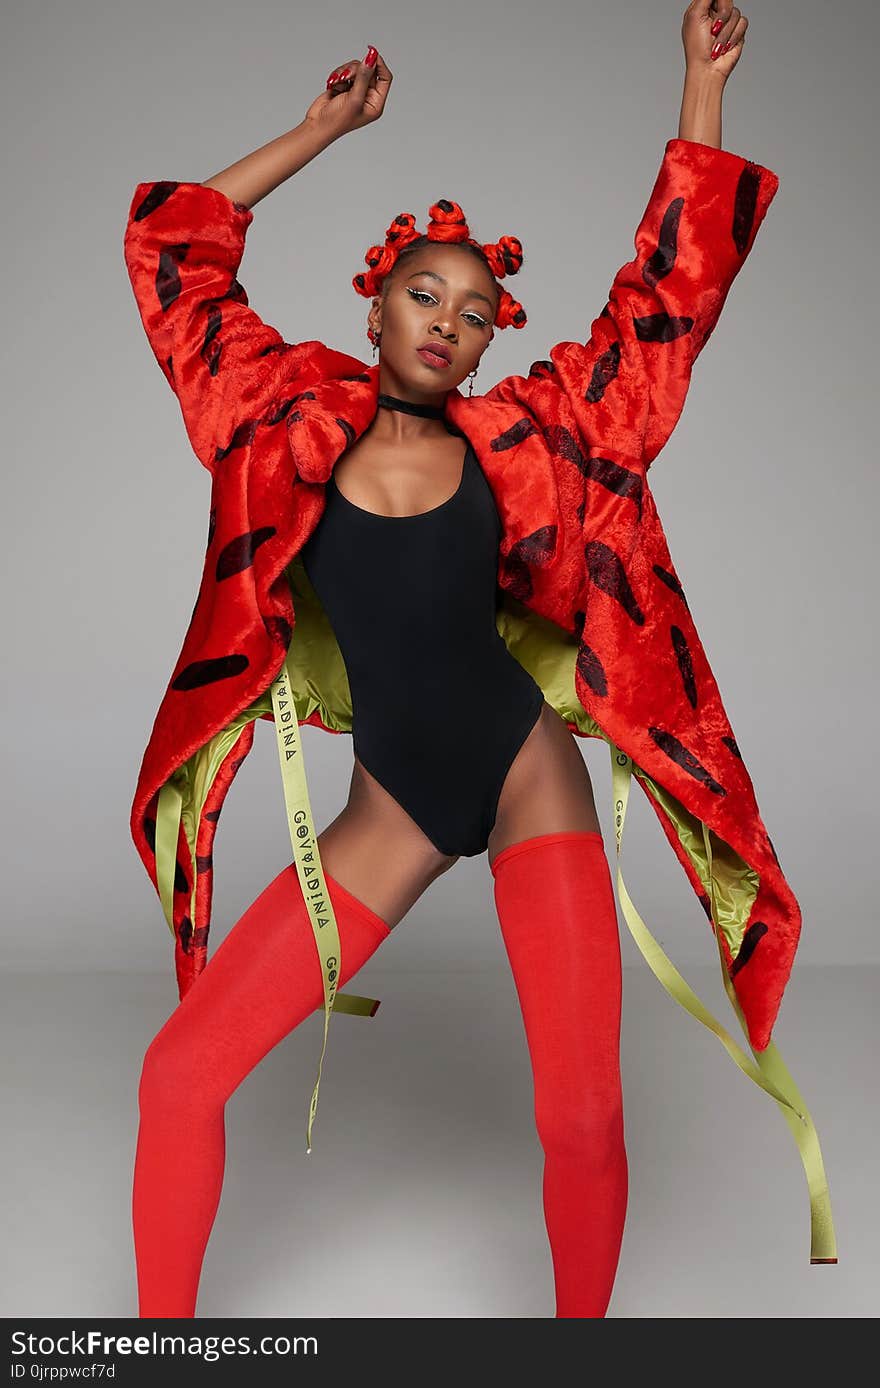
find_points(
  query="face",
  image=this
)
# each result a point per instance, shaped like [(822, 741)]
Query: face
[(440, 294)]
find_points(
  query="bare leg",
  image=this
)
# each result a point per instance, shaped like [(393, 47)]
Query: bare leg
[(547, 789), (378, 851)]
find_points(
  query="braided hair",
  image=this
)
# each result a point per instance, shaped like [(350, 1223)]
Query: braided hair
[(447, 224)]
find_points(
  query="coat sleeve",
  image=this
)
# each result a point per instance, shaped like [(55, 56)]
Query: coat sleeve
[(627, 384), (182, 247)]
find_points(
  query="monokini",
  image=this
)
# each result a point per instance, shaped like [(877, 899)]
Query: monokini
[(412, 601)]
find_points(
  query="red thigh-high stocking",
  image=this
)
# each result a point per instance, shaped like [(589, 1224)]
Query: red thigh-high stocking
[(555, 905), (263, 980)]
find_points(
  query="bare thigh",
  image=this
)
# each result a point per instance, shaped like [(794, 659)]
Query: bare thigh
[(378, 852), (547, 789)]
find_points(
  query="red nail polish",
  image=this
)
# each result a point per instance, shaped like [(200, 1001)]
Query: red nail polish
[(716, 26), (726, 46), (371, 57), (715, 51)]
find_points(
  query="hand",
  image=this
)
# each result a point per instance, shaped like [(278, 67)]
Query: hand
[(698, 39), (357, 100)]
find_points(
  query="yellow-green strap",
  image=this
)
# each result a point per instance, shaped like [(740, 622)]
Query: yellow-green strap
[(311, 878), (305, 844), (770, 1073), (823, 1245)]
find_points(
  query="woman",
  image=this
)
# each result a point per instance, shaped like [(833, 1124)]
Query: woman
[(389, 531)]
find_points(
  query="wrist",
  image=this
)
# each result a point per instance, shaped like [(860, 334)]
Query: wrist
[(320, 135), (704, 78)]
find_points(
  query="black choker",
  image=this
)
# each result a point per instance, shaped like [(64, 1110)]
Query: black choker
[(392, 402)]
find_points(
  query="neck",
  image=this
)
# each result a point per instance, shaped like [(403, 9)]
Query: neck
[(394, 402)]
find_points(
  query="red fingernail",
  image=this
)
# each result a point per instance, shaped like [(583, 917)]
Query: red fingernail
[(716, 26), (371, 57), (726, 46), (715, 51), (343, 76)]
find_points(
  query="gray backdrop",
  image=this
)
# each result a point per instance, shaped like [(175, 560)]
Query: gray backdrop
[(554, 120)]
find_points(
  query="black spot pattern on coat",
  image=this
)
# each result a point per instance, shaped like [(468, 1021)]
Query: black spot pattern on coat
[(277, 414), (604, 372), (169, 367), (671, 582), (242, 437), (661, 327), (200, 937), (591, 670), (750, 939), (272, 347), (150, 833), (618, 479), (744, 205), (605, 569), (185, 934), (212, 525), (237, 762), (158, 194), (181, 881), (536, 548), (658, 265), (168, 274), (201, 672), (238, 553), (683, 757), (685, 663), (212, 348), (563, 442), (204, 862), (731, 744), (236, 294), (578, 623), (212, 815), (581, 511), (361, 376), (544, 367), (348, 430), (513, 436), (246, 430), (706, 905), (279, 630)]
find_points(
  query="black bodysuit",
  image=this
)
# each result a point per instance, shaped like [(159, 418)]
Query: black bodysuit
[(439, 705)]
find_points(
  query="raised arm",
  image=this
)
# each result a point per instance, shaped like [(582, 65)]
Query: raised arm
[(183, 245), (627, 383)]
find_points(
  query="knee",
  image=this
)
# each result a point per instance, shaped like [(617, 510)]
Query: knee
[(587, 1127), (172, 1079)]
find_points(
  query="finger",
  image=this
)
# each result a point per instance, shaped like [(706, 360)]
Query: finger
[(737, 38), (382, 69), (727, 30), (363, 76), (336, 78)]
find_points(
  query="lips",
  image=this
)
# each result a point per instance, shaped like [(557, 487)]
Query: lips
[(437, 349)]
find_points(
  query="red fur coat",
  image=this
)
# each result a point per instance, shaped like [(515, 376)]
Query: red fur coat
[(593, 603)]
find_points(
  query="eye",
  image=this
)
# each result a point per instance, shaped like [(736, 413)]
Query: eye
[(422, 295)]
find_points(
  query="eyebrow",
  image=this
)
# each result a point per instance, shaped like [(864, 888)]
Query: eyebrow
[(471, 293)]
